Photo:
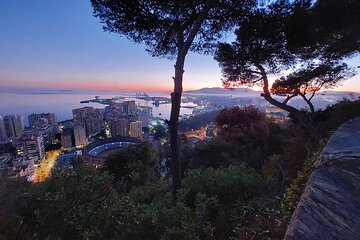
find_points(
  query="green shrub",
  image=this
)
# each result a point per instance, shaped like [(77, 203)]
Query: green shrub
[(227, 184)]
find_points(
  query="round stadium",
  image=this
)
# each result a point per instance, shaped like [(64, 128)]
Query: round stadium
[(97, 152)]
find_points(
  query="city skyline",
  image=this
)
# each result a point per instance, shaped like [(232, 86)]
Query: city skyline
[(53, 45)]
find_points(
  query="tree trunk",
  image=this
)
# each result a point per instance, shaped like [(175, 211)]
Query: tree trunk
[(173, 125), (183, 48)]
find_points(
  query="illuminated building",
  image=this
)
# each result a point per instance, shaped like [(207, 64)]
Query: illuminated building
[(144, 114), (136, 129), (91, 118), (46, 123), (80, 135), (80, 114), (94, 123), (129, 107), (36, 120), (96, 153), (119, 126), (126, 108), (34, 148), (66, 138)]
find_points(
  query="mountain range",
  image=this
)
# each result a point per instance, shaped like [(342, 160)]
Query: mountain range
[(248, 91)]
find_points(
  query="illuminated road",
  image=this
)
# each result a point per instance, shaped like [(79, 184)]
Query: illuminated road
[(201, 133), (44, 170)]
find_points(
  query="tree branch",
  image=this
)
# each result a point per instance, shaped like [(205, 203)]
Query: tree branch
[(309, 103), (289, 97), (312, 95), (261, 78), (251, 71)]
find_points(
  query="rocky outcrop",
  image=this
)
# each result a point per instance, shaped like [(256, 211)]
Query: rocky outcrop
[(330, 205)]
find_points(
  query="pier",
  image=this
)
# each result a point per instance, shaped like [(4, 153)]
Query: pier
[(156, 101), (105, 101)]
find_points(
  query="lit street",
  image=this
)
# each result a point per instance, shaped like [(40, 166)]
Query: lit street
[(43, 171)]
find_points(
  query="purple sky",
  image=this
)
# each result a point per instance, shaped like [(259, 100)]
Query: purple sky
[(59, 44)]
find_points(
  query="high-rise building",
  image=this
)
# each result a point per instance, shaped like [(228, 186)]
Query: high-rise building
[(3, 134), (80, 114), (132, 107), (126, 108), (113, 111), (14, 125), (80, 135), (118, 117), (91, 118), (144, 114), (46, 124), (41, 120), (98, 119), (94, 124), (66, 138), (136, 129), (119, 126), (34, 148), (129, 107)]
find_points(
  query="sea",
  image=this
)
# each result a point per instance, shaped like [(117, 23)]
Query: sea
[(63, 102)]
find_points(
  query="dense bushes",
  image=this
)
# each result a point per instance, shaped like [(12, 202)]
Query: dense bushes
[(83, 204), (229, 184), (134, 165)]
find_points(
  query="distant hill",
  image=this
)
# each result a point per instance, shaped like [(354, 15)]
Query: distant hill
[(218, 90), (342, 93), (248, 91)]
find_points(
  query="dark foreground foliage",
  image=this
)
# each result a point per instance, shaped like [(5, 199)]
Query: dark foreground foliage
[(224, 194), (83, 204)]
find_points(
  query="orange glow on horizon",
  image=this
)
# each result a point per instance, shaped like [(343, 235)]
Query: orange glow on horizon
[(121, 87), (351, 85), (105, 87), (135, 86)]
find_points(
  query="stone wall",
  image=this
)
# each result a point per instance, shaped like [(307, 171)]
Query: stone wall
[(330, 205)]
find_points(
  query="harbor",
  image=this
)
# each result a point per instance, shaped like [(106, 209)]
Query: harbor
[(105, 101)]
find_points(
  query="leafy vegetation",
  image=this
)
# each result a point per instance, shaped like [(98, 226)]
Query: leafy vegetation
[(223, 195), (134, 165), (83, 204)]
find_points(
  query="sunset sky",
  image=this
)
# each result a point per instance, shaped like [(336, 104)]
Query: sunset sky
[(59, 45)]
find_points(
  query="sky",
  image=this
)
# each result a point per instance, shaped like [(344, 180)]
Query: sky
[(51, 44)]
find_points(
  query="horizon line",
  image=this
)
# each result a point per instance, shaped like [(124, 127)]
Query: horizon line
[(12, 89)]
